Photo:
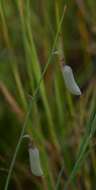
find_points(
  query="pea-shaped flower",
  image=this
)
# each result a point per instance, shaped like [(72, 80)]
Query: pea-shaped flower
[(70, 82), (34, 159)]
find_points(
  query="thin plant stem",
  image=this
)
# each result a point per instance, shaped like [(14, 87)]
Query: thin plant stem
[(30, 106), (59, 178)]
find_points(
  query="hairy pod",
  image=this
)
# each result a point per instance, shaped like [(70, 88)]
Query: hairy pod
[(70, 82), (34, 159)]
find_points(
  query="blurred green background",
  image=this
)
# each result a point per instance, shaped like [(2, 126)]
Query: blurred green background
[(61, 125)]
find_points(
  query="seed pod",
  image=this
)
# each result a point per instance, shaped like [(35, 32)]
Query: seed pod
[(34, 160), (70, 82)]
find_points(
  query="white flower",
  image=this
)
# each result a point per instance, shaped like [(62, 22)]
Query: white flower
[(34, 159), (70, 81)]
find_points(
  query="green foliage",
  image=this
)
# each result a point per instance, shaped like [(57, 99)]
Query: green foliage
[(34, 99)]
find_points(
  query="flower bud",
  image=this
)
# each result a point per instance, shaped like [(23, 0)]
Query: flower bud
[(34, 160), (70, 82)]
